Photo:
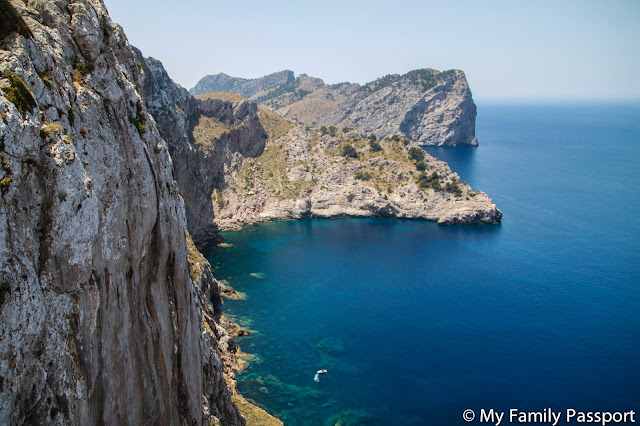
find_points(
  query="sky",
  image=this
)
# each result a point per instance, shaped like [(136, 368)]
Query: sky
[(557, 50)]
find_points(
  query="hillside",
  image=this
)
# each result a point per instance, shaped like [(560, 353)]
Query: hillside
[(295, 170)]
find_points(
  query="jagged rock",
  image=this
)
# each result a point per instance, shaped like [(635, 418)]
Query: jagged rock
[(438, 112), (245, 87)]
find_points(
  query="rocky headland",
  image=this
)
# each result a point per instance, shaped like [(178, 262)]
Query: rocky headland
[(246, 87), (295, 170), (427, 106)]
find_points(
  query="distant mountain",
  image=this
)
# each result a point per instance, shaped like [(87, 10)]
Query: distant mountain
[(246, 87), (425, 105)]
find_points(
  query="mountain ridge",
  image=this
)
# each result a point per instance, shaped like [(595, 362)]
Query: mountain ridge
[(425, 105), (246, 87)]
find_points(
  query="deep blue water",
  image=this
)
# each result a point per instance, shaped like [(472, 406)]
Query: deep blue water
[(417, 322)]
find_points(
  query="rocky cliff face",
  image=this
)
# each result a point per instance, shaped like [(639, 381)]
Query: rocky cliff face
[(207, 139), (101, 321), (427, 106), (245, 87)]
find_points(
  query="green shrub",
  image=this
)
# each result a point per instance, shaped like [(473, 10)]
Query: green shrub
[(140, 120), (346, 129), (19, 94), (426, 181), (374, 146), (83, 67), (323, 130), (421, 166), (332, 130), (453, 188), (349, 151), (416, 154), (373, 137), (362, 175), (71, 116)]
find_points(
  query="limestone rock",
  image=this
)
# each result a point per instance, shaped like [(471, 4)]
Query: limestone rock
[(101, 322), (207, 139), (431, 108)]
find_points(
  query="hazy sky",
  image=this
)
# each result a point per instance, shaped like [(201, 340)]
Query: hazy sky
[(587, 49)]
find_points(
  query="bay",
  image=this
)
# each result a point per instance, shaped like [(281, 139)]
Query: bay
[(416, 323)]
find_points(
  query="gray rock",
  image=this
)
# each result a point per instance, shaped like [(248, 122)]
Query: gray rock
[(101, 321), (246, 87)]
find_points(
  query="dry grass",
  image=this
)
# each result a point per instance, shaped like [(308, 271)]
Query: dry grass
[(254, 414), (195, 259), (206, 129), (275, 126)]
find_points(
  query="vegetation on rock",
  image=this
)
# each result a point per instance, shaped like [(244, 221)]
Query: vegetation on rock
[(19, 94), (349, 151)]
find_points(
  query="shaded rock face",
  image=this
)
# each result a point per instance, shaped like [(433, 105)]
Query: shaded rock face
[(245, 87), (100, 319), (201, 163)]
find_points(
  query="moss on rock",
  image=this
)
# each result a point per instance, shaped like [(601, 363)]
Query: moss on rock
[(19, 94)]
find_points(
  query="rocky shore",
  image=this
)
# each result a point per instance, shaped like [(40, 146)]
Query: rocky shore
[(307, 174)]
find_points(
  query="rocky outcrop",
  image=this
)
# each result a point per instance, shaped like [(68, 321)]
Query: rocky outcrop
[(101, 321), (427, 106), (307, 174), (207, 138), (246, 87)]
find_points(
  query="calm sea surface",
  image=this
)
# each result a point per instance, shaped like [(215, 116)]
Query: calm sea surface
[(416, 323)]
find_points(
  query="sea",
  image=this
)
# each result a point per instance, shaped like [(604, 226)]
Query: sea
[(420, 324)]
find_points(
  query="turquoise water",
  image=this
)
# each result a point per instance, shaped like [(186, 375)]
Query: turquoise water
[(416, 323)]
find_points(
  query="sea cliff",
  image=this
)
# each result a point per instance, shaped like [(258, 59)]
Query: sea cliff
[(108, 311)]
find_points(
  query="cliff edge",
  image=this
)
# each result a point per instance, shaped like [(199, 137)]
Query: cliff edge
[(108, 311)]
